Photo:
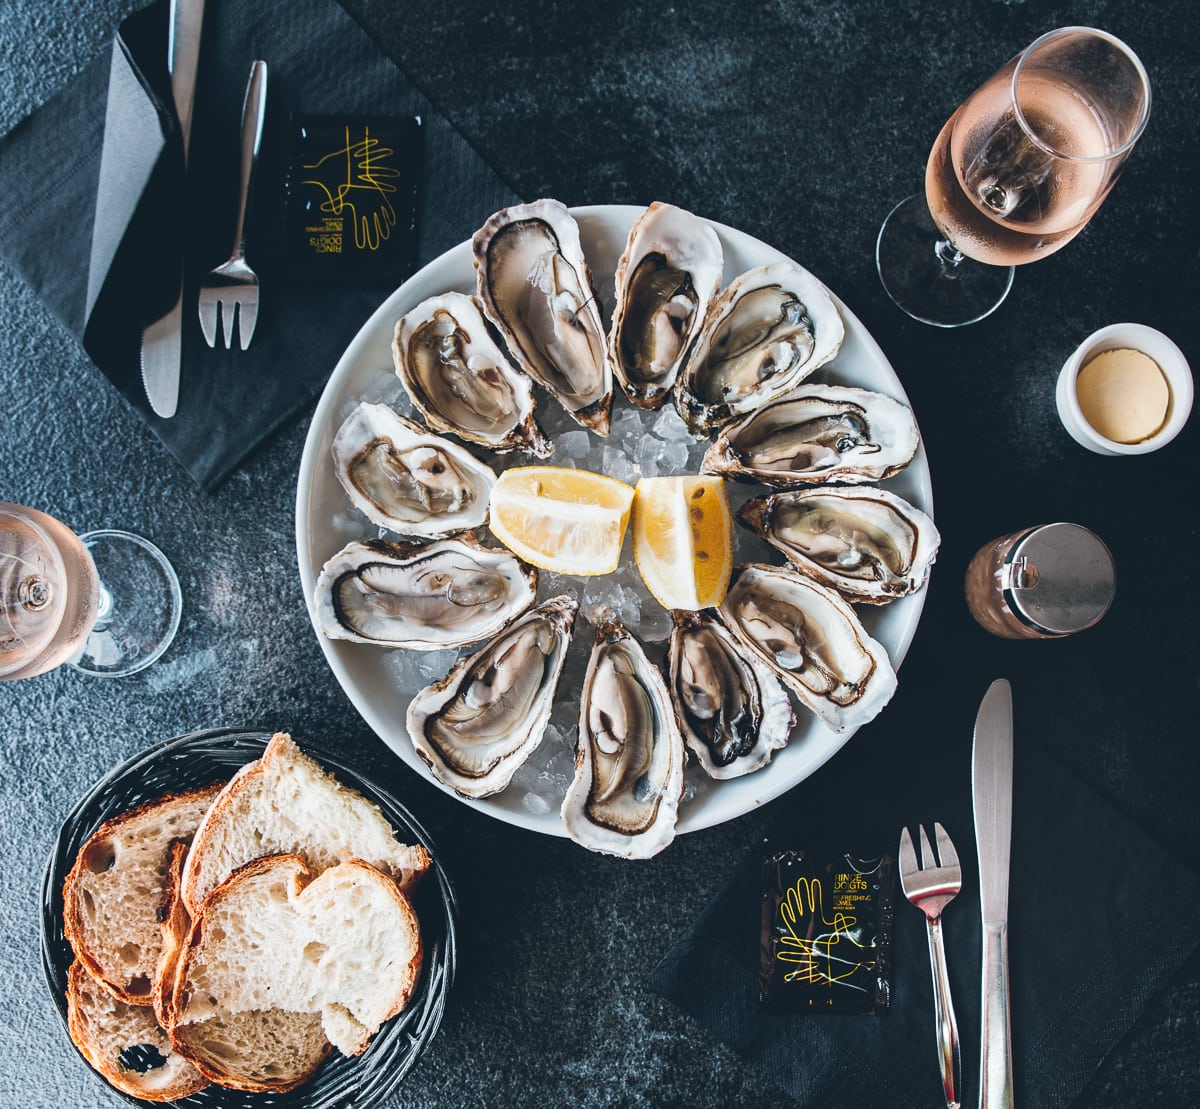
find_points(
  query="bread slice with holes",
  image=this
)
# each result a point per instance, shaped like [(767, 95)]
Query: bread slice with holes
[(286, 803), (125, 1043), (275, 949), (112, 894)]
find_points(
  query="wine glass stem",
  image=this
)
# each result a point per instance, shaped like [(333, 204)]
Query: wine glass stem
[(103, 608), (948, 255)]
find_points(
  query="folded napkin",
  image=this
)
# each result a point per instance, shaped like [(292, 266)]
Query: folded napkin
[(97, 238), (1100, 916)]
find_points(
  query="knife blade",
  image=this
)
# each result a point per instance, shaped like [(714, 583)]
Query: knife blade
[(991, 791), (162, 341)]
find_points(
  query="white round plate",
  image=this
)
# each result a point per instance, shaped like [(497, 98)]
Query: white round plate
[(321, 514)]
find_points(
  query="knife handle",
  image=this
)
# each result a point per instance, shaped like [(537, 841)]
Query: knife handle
[(995, 1057)]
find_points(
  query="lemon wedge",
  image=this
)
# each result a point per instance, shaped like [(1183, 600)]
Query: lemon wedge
[(569, 521), (683, 540)]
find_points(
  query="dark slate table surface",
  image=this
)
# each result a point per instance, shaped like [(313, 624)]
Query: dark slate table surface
[(802, 123)]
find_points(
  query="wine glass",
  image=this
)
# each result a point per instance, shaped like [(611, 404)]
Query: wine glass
[(107, 602), (1016, 173)]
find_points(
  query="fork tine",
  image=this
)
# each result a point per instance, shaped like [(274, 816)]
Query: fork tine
[(927, 859), (228, 321), (945, 846), (247, 318), (908, 857), (208, 320)]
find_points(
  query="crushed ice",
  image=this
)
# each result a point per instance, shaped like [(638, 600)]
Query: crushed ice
[(640, 444)]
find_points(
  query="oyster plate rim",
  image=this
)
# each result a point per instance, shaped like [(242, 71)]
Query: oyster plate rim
[(360, 669)]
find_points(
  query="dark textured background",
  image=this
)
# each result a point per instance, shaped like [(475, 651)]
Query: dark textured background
[(801, 123)]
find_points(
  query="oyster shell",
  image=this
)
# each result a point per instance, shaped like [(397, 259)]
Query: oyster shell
[(818, 433), (421, 596), (476, 726), (812, 639), (665, 280), (406, 479), (868, 544), (536, 288), (772, 327), (732, 710), (455, 372), (624, 798)]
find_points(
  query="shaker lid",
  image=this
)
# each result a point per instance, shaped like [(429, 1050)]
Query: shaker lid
[(1059, 578)]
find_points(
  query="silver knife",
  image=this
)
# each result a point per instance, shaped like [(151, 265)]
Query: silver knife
[(162, 341), (991, 789)]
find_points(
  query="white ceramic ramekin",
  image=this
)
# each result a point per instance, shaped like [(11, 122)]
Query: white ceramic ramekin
[(1135, 336)]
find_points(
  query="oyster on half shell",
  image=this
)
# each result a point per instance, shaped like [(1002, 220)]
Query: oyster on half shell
[(536, 288), (421, 596), (624, 798), (816, 434), (455, 372), (813, 640), (732, 710), (406, 479), (483, 720), (867, 543), (665, 281), (770, 328)]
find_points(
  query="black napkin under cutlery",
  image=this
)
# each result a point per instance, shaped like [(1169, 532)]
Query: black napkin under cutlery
[(1100, 917), (95, 246)]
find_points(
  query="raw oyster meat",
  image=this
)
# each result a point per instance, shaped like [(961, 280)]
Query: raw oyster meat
[(732, 710), (455, 372), (421, 596), (665, 281), (624, 798), (772, 327), (818, 433), (812, 639), (869, 544), (406, 479), (476, 726), (536, 288)]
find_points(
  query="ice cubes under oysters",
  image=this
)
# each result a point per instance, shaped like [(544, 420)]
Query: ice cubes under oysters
[(421, 596), (536, 288), (665, 281), (476, 726), (455, 372), (767, 331), (813, 640), (817, 434), (624, 797), (867, 543), (407, 479)]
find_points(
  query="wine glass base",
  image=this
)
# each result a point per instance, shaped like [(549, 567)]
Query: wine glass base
[(140, 605), (938, 287)]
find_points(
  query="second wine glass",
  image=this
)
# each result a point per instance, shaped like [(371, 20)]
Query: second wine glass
[(1015, 174)]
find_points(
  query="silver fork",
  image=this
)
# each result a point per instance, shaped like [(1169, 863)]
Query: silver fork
[(232, 288), (931, 886)]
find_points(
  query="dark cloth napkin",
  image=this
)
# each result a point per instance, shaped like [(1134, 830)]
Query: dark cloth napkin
[(1100, 916), (97, 237)]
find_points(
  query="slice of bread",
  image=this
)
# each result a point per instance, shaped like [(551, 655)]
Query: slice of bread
[(285, 803), (343, 949), (125, 1043), (112, 894), (259, 1050)]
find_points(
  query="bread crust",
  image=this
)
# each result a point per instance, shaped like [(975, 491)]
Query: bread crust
[(75, 918), (99, 1043)]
